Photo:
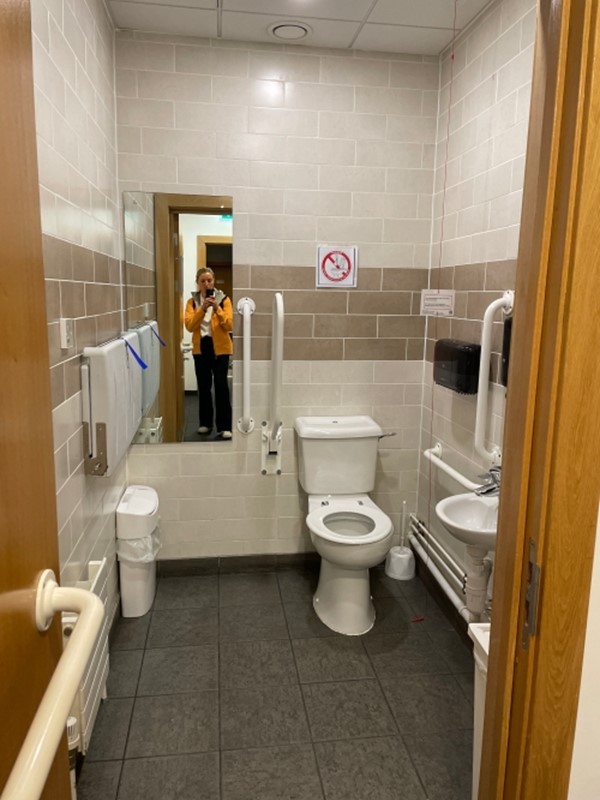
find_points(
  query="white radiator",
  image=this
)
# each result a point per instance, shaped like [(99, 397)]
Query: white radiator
[(93, 685)]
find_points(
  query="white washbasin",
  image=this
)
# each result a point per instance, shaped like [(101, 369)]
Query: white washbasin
[(472, 518)]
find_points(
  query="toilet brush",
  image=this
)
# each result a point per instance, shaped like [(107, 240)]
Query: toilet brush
[(400, 561)]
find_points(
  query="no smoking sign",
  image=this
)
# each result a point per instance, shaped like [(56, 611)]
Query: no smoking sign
[(336, 266)]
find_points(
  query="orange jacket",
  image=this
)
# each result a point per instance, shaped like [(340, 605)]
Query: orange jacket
[(221, 325)]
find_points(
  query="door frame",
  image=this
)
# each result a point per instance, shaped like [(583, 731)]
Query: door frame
[(552, 431), (169, 298)]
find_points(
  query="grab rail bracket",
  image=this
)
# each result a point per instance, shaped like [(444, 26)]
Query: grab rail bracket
[(270, 449)]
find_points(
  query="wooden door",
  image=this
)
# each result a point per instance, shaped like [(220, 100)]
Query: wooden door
[(549, 500), (28, 536)]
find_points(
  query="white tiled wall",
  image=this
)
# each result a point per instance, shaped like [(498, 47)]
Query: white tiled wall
[(478, 183), (314, 146), (214, 499), (484, 102), (73, 45)]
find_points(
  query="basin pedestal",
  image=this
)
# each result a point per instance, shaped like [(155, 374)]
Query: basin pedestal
[(478, 573)]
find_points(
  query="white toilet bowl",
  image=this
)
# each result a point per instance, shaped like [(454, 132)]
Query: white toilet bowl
[(351, 534)]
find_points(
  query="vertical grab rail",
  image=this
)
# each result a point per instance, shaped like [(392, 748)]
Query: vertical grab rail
[(30, 770), (246, 307), (506, 303), (273, 427)]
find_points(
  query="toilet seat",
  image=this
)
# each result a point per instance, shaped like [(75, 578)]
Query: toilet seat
[(349, 517)]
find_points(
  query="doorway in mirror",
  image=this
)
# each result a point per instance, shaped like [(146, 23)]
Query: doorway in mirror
[(192, 231)]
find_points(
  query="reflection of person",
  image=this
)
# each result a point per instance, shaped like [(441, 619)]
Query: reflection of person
[(209, 318)]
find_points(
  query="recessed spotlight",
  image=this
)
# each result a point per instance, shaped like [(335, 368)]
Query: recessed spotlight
[(289, 31)]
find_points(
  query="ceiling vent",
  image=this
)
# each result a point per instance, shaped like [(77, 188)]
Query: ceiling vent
[(290, 31)]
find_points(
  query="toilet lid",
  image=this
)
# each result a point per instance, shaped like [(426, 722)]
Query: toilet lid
[(344, 525)]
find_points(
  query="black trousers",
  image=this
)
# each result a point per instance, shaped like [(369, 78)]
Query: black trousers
[(210, 367)]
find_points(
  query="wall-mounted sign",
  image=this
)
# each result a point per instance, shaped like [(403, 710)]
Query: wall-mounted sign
[(437, 302), (336, 266)]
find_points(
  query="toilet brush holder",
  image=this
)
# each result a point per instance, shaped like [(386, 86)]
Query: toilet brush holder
[(400, 564)]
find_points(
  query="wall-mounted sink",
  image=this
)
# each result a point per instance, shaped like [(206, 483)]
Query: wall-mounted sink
[(472, 518)]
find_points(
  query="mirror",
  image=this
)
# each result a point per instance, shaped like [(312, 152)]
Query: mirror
[(177, 235)]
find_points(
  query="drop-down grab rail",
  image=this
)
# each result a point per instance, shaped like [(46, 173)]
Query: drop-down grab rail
[(246, 307), (30, 770), (272, 428)]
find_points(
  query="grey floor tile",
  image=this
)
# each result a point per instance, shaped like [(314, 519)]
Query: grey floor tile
[(413, 588), (453, 649), (411, 652), (297, 585), (99, 780), (187, 777), (184, 627), (393, 615), (377, 769), (444, 763), (434, 619), (110, 730), (194, 591), (428, 704), (382, 585), (245, 623), (260, 663), (174, 670), (466, 681), (124, 672), (303, 623), (262, 717), (170, 724), (271, 774), (347, 710), (331, 659), (244, 589), (130, 634)]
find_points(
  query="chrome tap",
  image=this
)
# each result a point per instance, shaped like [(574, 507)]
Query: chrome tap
[(491, 482)]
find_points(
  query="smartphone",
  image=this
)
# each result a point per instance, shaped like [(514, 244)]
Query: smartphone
[(210, 292)]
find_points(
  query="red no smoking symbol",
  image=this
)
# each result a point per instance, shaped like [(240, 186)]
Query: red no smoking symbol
[(336, 266)]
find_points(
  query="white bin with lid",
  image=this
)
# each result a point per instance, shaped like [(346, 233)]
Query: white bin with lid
[(480, 634), (137, 546)]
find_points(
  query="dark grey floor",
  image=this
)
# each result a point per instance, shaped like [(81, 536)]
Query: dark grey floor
[(231, 689), (190, 431)]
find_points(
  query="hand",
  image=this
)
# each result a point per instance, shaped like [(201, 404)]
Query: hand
[(209, 302)]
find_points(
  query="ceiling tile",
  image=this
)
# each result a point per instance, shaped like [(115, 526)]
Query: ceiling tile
[(352, 10), (424, 13), (164, 19), (401, 39), (253, 28)]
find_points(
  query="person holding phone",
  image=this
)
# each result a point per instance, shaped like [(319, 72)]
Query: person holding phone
[(209, 318)]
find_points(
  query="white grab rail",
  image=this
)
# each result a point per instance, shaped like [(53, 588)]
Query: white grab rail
[(276, 371), (246, 307), (30, 770), (272, 429), (506, 304), (434, 455)]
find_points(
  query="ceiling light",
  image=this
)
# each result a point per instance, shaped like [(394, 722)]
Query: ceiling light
[(290, 31)]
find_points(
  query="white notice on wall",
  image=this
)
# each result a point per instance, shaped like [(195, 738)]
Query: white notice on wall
[(437, 302)]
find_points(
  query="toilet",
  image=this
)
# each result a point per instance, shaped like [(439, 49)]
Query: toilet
[(337, 458)]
